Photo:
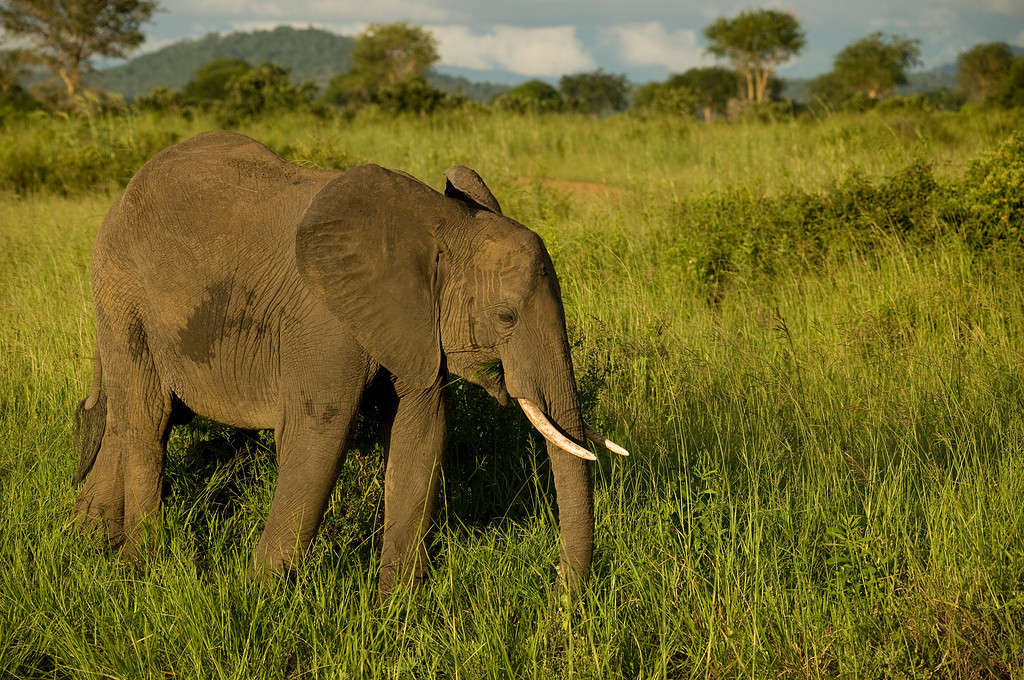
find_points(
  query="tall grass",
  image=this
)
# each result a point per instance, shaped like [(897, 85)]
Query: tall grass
[(828, 463)]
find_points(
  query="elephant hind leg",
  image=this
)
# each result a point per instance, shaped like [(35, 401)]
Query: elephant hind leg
[(124, 483)]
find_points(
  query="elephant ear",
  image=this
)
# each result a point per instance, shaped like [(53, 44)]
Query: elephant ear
[(366, 246), (464, 184)]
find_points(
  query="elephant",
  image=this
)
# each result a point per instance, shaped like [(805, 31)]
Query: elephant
[(232, 284)]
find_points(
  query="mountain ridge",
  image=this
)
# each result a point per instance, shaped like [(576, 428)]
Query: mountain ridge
[(310, 53)]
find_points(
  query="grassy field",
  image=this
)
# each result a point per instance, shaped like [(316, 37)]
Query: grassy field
[(814, 353)]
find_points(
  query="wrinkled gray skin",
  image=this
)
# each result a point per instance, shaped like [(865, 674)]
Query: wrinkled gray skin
[(232, 284)]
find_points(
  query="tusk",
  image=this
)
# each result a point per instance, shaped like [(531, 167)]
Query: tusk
[(599, 439), (550, 432)]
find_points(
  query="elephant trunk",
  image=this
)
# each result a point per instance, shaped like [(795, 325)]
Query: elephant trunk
[(573, 486)]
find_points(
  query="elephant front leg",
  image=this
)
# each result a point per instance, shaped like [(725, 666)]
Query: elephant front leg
[(410, 486)]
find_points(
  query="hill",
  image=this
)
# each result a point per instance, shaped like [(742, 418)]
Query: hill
[(471, 89), (310, 53)]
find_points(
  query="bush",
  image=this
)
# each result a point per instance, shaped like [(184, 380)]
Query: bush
[(665, 98), (533, 96), (768, 111), (267, 88), (750, 235), (595, 92), (209, 85), (352, 90), (16, 103), (993, 199), (414, 96), (159, 99), (1009, 93)]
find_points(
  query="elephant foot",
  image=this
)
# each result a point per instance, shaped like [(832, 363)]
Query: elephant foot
[(101, 519)]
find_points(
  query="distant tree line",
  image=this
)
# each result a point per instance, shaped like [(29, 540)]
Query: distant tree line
[(391, 67)]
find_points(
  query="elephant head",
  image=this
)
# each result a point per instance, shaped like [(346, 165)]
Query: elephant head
[(435, 282)]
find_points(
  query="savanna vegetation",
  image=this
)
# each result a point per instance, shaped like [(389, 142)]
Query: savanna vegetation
[(804, 321), (807, 331)]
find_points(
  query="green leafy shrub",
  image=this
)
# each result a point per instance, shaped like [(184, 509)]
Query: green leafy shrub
[(533, 96), (16, 103), (1009, 93), (159, 99), (82, 154), (749, 235), (209, 86), (595, 92), (414, 96), (993, 198), (665, 98), (267, 88)]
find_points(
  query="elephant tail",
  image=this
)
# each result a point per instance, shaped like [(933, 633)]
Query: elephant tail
[(90, 422)]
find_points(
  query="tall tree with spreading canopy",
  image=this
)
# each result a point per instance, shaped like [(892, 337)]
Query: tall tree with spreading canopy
[(982, 68), (65, 34), (874, 65), (756, 42)]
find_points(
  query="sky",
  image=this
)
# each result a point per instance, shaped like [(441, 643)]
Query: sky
[(516, 40)]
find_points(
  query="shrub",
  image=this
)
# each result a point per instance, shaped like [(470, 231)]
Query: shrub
[(16, 103), (595, 92), (1009, 93), (209, 85), (267, 88), (993, 199), (665, 98), (159, 99), (414, 96), (533, 96), (744, 234)]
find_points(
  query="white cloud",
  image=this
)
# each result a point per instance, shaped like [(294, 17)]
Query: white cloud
[(548, 51), (317, 10), (1019, 40), (650, 44)]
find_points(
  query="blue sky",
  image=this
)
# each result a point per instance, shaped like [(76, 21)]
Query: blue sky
[(646, 39)]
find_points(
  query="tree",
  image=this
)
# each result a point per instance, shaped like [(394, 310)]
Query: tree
[(594, 92), (712, 87), (65, 34), (13, 67), (875, 65), (533, 96), (209, 85), (1009, 92), (980, 69), (386, 60), (828, 89), (385, 54), (756, 42)]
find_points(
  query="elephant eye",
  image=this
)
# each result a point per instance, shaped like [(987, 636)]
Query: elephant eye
[(506, 316)]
